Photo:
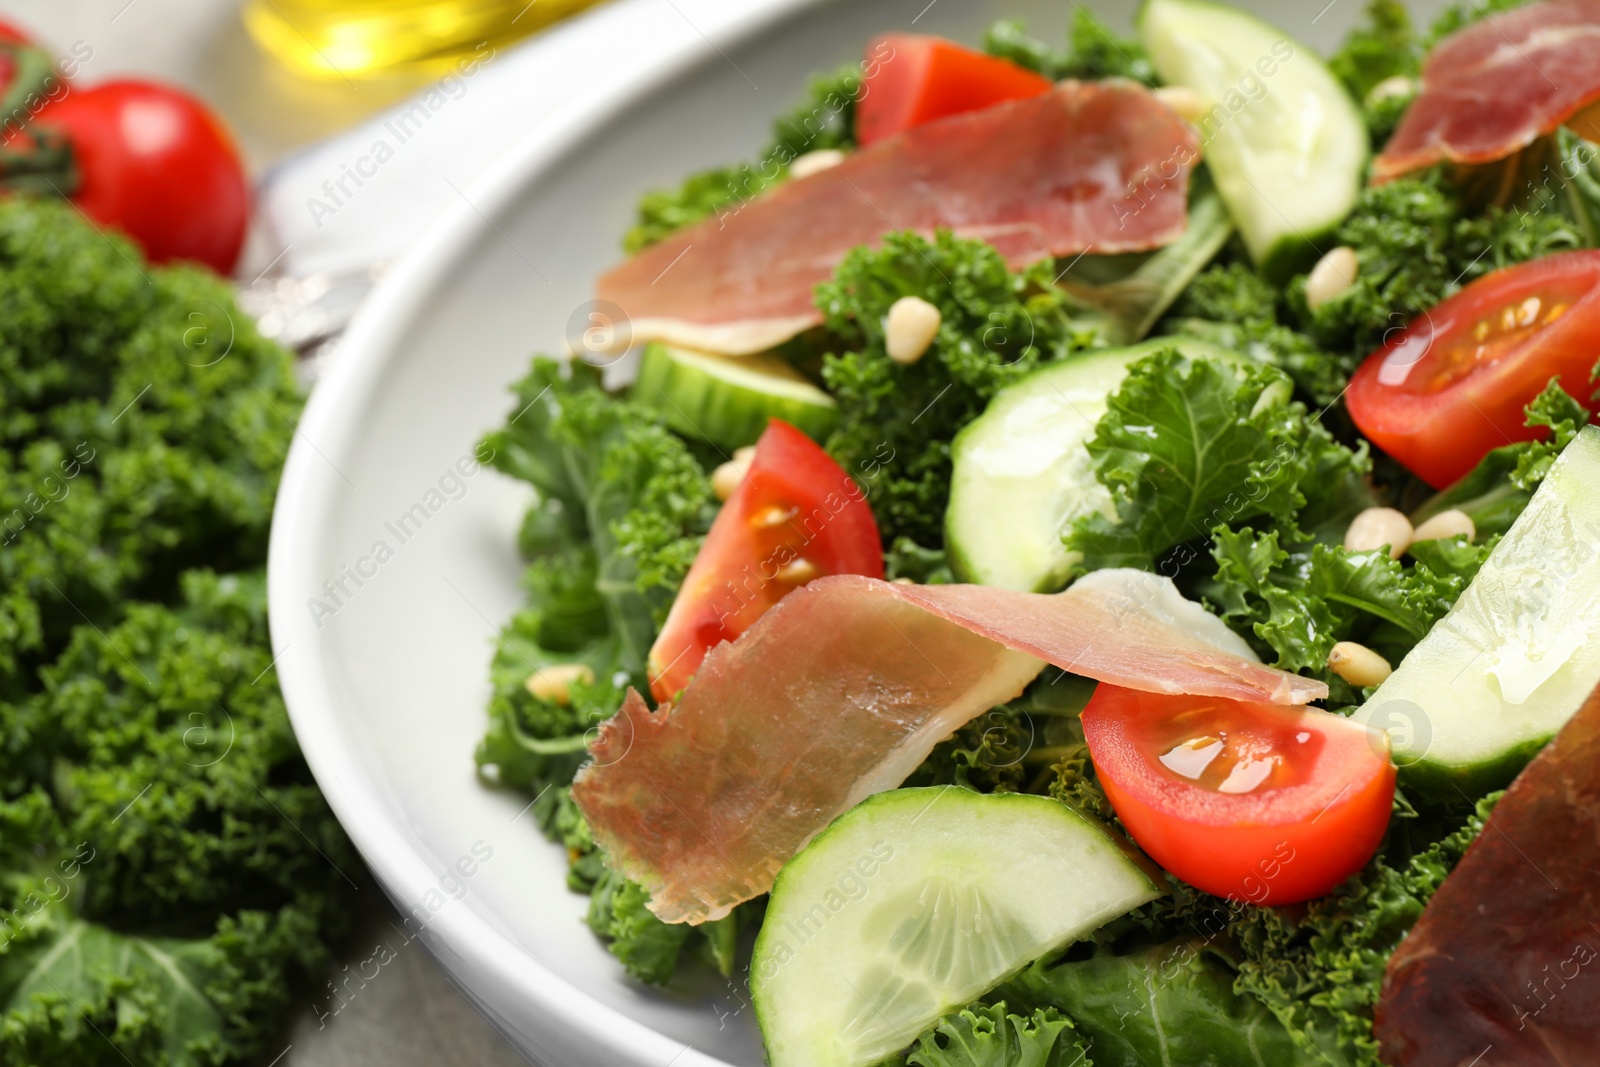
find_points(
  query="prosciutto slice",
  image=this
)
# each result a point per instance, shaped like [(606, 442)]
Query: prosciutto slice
[(1100, 166), (1501, 968), (842, 690), (1495, 86)]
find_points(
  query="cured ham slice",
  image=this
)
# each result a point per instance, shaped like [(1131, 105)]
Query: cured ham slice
[(1492, 88), (842, 689), (1505, 956), (1098, 167)]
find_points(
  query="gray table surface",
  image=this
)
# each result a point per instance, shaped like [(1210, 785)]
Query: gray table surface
[(411, 1016)]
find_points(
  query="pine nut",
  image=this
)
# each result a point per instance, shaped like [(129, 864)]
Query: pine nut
[(1188, 104), (910, 328), (1332, 277), (1450, 523), (1376, 527), (1399, 85), (903, 581), (726, 478), (1358, 664), (554, 683), (815, 162)]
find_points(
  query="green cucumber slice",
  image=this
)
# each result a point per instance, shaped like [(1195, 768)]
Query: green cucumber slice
[(727, 400), (1021, 474), (1281, 137), (1519, 653), (916, 901)]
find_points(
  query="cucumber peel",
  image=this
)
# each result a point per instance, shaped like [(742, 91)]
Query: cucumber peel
[(1283, 140), (1516, 657), (728, 400), (917, 901)]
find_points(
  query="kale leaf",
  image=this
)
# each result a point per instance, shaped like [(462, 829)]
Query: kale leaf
[(1173, 1002), (1190, 445), (1384, 46), (647, 947), (1233, 306), (987, 1035), (896, 421), (1296, 603), (612, 474), (1417, 244), (1092, 52), (1323, 965), (622, 509), (168, 870)]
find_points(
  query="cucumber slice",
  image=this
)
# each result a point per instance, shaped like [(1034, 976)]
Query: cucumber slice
[(1021, 474), (1519, 653), (1281, 137), (915, 902), (727, 400)]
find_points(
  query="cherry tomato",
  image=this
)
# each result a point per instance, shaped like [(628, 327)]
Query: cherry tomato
[(1253, 802), (911, 79), (1452, 385), (796, 516), (156, 164), (11, 33)]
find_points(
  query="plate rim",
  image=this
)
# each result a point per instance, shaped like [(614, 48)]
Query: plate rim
[(307, 492)]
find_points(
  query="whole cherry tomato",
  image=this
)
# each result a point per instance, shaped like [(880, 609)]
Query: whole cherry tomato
[(155, 163)]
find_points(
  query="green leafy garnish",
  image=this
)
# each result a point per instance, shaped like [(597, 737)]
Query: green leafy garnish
[(896, 422), (1187, 446), (986, 1035)]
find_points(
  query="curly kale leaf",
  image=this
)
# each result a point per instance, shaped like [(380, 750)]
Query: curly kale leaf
[(824, 118), (896, 421), (1190, 445), (647, 947), (1165, 1003), (1093, 52), (614, 475), (1323, 967), (178, 872), (1233, 306), (1416, 245), (1384, 46), (1294, 604), (181, 769), (987, 1035), (143, 422)]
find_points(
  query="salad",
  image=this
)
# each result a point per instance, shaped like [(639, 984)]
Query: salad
[(1096, 559)]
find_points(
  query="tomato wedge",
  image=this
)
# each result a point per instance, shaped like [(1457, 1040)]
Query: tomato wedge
[(912, 79), (1257, 803), (1452, 385), (796, 516)]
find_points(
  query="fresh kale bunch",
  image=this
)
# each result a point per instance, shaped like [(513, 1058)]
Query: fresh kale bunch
[(168, 870)]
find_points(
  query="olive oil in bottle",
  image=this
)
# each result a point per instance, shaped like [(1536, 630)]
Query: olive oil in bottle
[(350, 38)]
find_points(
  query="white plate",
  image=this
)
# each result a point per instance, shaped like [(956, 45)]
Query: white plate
[(387, 692)]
